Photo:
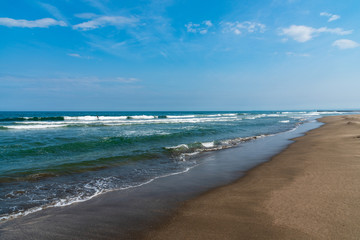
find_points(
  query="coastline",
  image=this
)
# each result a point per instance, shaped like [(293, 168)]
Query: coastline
[(308, 191), (135, 213), (70, 157)]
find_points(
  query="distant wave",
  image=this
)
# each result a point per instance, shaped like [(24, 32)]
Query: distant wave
[(34, 126), (94, 118), (32, 119), (112, 118), (33, 123), (38, 123)]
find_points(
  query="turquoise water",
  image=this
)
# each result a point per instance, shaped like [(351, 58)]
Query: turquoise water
[(57, 158)]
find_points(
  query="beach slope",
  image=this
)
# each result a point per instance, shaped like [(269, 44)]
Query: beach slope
[(311, 190)]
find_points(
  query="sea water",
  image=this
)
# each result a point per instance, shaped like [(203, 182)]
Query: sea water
[(50, 159)]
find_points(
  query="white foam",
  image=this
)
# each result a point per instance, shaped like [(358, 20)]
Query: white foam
[(184, 156), (312, 114), (142, 117), (191, 154), (86, 118), (25, 127), (326, 113), (107, 118), (181, 116), (95, 118), (69, 201), (124, 120), (252, 117), (178, 146), (285, 121), (171, 121), (146, 133), (208, 144)]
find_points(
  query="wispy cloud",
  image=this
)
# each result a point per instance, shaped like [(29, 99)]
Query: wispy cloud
[(126, 80), (332, 17), (301, 33), (239, 27), (104, 21), (77, 55), (40, 23), (201, 28), (74, 55), (62, 82), (151, 33), (297, 54), (345, 44), (113, 47), (98, 5), (54, 11), (86, 15)]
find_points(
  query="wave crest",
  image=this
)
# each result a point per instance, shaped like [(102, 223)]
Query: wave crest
[(184, 152)]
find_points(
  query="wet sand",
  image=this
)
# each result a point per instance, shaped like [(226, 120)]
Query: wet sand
[(311, 190)]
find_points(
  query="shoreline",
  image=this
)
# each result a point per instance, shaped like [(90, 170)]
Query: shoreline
[(72, 168), (149, 205), (307, 191), (242, 140)]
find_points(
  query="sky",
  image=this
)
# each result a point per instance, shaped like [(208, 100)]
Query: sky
[(179, 55)]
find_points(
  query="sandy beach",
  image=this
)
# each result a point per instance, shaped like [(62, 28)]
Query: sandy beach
[(308, 191)]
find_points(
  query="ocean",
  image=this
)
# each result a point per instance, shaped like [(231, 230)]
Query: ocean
[(50, 159)]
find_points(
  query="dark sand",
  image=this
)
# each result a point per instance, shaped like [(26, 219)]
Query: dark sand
[(311, 190)]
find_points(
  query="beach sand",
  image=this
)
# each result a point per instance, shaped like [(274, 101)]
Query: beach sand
[(311, 190)]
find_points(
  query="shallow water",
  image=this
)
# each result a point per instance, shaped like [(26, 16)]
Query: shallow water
[(57, 158)]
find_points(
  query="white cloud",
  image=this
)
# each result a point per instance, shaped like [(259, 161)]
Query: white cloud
[(238, 27), (201, 28), (332, 17), (40, 23), (345, 44), (208, 23), (127, 80), (106, 21), (298, 33), (302, 33)]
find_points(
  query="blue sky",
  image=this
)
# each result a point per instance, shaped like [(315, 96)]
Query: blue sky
[(179, 55)]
